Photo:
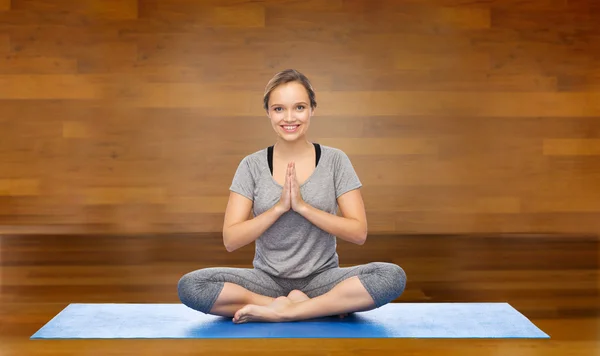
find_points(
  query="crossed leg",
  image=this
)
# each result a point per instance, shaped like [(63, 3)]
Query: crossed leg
[(297, 296), (346, 297), (251, 295), (224, 290), (335, 292)]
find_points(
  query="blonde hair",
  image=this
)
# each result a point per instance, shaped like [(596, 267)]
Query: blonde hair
[(286, 76)]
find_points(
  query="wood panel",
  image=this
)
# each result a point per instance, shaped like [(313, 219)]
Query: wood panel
[(550, 279), (459, 116)]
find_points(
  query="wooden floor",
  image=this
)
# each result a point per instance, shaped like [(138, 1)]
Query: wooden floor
[(553, 280)]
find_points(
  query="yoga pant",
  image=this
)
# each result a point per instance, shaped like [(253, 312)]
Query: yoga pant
[(199, 289)]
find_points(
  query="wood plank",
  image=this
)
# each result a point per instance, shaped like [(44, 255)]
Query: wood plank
[(110, 9), (497, 130), (408, 60), (571, 147), (590, 82), (382, 103), (365, 5), (444, 79), (75, 129), (19, 187), (561, 17), (442, 222), (238, 15), (37, 65), (390, 146), (125, 195), (58, 39), (51, 86), (440, 19), (4, 43), (465, 104)]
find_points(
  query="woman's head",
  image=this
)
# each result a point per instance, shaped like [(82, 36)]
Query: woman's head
[(289, 100)]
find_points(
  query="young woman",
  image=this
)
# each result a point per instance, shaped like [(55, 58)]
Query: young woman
[(294, 189)]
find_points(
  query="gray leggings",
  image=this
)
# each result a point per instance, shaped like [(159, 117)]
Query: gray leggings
[(199, 289)]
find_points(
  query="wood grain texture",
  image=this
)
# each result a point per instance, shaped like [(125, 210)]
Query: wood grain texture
[(551, 279), (458, 116)]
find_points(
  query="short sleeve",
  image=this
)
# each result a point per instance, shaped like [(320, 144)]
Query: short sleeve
[(345, 176), (243, 182)]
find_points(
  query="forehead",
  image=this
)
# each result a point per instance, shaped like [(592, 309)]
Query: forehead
[(292, 91)]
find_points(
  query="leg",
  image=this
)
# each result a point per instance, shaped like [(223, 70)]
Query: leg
[(233, 297), (336, 291), (223, 290), (299, 296), (295, 296), (346, 297)]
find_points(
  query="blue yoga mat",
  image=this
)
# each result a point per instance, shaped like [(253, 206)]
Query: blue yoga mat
[(394, 320)]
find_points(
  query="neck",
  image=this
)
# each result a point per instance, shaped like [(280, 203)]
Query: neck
[(287, 149)]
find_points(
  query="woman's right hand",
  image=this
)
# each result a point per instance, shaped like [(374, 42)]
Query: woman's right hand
[(285, 202)]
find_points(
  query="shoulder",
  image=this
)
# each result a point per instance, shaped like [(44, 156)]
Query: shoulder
[(255, 158), (337, 155)]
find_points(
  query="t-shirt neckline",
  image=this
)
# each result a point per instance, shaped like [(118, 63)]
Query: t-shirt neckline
[(266, 157)]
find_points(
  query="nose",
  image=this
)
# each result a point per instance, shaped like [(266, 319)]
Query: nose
[(289, 117)]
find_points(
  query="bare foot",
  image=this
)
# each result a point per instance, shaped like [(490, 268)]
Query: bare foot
[(298, 296), (273, 312), (258, 313)]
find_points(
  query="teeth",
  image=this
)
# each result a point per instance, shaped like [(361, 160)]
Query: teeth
[(289, 127)]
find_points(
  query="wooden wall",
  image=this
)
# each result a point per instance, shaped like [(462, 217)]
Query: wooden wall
[(459, 116)]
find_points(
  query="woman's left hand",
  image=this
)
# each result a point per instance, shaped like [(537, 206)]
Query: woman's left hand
[(297, 201)]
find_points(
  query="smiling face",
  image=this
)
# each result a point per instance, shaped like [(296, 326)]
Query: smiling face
[(290, 111)]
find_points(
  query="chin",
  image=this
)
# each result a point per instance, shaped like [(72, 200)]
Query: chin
[(291, 139)]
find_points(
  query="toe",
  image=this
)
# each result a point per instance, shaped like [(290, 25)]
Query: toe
[(238, 314)]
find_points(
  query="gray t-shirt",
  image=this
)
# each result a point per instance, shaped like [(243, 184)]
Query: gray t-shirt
[(293, 247)]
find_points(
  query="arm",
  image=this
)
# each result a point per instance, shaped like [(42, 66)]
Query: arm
[(238, 230), (351, 226)]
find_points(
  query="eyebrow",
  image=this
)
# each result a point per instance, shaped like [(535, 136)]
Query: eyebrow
[(300, 102)]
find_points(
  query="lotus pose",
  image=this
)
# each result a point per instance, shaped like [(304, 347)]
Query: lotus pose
[(293, 189)]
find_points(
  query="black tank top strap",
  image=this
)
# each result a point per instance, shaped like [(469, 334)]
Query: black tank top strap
[(270, 155)]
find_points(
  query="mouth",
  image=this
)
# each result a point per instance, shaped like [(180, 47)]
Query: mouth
[(290, 128)]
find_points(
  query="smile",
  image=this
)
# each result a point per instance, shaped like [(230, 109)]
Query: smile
[(290, 128)]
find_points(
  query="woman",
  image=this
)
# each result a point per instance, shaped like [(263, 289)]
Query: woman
[(294, 189)]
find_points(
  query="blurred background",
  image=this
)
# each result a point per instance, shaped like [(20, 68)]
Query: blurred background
[(459, 116)]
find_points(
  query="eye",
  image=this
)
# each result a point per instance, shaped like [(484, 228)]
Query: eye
[(277, 109), (301, 107)]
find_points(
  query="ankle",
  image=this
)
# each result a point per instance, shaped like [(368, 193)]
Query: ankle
[(290, 312)]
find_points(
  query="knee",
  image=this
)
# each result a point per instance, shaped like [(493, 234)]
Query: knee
[(186, 288), (395, 278), (195, 291)]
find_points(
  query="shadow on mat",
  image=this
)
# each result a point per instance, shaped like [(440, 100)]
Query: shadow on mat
[(353, 325)]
